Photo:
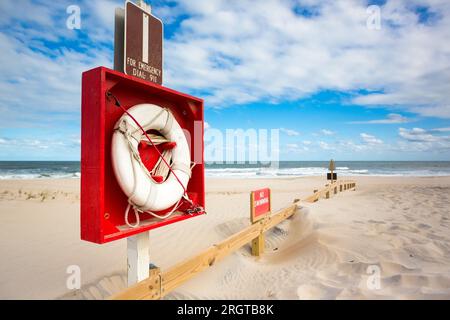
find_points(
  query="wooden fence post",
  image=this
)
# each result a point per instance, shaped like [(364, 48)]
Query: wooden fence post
[(158, 284), (258, 242), (255, 217), (258, 245)]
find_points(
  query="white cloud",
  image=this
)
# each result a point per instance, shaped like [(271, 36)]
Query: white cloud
[(37, 143), (422, 140), (350, 146), (35, 14), (420, 135), (273, 55), (40, 75), (347, 146), (76, 141), (392, 118), (296, 148), (276, 54), (441, 130), (104, 10), (370, 140), (326, 146), (327, 132), (290, 132)]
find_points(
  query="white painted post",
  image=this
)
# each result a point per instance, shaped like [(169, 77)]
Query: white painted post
[(138, 246), (144, 5), (138, 257)]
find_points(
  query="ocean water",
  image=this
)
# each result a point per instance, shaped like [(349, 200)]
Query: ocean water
[(39, 169), (71, 169), (343, 168)]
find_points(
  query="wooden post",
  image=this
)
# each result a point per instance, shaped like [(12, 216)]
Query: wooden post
[(138, 259), (119, 29), (258, 245), (335, 190), (332, 167), (144, 5), (158, 284), (327, 195)]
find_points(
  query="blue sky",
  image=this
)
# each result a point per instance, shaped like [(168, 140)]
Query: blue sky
[(313, 69)]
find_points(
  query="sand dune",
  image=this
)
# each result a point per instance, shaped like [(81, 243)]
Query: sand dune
[(328, 250)]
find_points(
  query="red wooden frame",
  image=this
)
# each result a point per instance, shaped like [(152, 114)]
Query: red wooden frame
[(103, 203)]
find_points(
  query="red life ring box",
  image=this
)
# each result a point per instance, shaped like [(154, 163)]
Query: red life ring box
[(103, 202)]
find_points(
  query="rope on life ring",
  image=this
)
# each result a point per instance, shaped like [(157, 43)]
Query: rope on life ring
[(144, 194)]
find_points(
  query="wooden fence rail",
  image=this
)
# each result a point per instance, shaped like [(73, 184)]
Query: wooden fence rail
[(159, 284), (331, 188)]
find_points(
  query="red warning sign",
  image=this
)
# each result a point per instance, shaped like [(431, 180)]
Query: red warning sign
[(259, 204)]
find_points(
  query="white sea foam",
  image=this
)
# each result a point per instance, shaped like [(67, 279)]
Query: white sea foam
[(55, 170), (27, 176), (316, 171)]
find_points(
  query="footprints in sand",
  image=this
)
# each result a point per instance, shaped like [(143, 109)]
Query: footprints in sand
[(316, 291), (376, 221), (40, 196), (411, 250), (321, 257), (355, 281), (99, 290), (423, 226)]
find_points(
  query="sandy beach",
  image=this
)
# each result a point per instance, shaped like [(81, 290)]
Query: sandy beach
[(397, 225)]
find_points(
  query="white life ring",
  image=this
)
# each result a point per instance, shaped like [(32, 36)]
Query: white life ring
[(135, 180)]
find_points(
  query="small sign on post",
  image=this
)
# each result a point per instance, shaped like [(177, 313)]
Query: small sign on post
[(260, 207), (332, 175), (143, 43)]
